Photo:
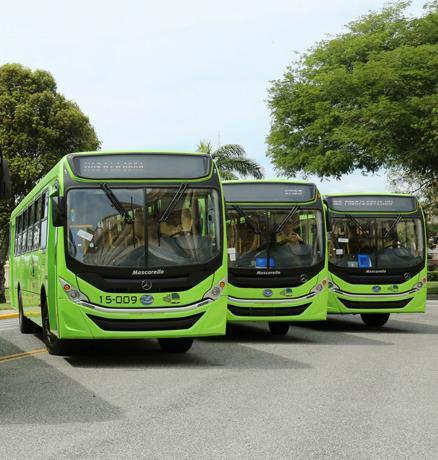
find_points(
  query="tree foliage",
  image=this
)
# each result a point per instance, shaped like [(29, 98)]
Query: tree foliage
[(232, 161), (38, 125), (365, 99)]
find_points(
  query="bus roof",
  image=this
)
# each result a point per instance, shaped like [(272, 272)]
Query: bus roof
[(269, 191), (139, 165), (371, 202), (56, 171)]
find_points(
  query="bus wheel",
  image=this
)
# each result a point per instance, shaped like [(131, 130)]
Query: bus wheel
[(180, 345), (278, 328), (54, 345), (375, 319), (26, 325)]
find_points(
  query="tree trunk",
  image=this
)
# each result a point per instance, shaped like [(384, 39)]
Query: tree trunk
[(6, 207)]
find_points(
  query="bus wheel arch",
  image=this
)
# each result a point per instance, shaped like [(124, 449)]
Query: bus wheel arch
[(54, 345), (26, 325)]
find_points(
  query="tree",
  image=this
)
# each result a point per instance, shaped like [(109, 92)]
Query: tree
[(364, 99), (38, 126), (426, 190), (232, 161)]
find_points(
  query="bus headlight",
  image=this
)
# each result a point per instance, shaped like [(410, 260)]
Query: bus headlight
[(72, 292), (216, 290), (419, 285), (319, 287), (332, 286)]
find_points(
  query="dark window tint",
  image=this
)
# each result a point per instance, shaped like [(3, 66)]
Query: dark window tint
[(43, 230)]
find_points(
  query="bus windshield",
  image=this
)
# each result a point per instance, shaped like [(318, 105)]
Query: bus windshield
[(274, 238), (376, 242), (157, 227)]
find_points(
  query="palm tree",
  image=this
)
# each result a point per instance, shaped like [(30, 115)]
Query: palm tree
[(231, 160)]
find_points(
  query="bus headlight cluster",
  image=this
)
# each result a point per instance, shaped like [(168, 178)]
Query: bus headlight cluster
[(216, 290), (332, 286), (319, 287), (420, 284), (72, 292)]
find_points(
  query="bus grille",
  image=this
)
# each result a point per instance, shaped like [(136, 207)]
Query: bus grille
[(268, 311), (375, 305), (162, 324)]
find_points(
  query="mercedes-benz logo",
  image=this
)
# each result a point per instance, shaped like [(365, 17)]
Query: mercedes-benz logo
[(146, 285)]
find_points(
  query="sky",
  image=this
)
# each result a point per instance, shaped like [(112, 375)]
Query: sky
[(167, 74)]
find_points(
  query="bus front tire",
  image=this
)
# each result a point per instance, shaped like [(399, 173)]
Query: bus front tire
[(26, 325), (54, 345), (375, 319), (278, 328), (180, 345)]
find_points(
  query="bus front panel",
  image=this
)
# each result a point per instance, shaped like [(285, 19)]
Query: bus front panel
[(376, 259)]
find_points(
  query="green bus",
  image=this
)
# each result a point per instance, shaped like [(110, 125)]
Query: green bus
[(377, 255), (277, 264), (122, 245)]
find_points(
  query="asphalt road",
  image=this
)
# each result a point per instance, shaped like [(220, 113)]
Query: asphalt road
[(327, 390)]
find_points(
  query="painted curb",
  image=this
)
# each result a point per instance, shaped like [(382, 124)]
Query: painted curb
[(8, 315)]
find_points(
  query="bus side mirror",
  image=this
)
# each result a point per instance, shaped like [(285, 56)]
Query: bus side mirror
[(58, 211), (5, 181)]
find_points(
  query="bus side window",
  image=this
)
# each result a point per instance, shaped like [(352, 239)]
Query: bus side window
[(20, 234), (23, 233), (31, 227), (44, 206), (25, 230), (36, 231), (17, 233)]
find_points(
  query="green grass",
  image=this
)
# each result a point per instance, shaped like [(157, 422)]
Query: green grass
[(5, 306)]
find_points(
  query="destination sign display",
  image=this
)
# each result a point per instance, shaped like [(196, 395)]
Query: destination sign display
[(141, 166), (372, 203), (273, 192)]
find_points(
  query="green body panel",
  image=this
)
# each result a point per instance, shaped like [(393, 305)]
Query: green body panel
[(364, 292), (241, 297), (38, 273)]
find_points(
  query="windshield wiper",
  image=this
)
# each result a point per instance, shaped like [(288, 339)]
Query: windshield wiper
[(355, 222), (178, 195), (116, 203), (248, 220), (283, 222), (393, 224)]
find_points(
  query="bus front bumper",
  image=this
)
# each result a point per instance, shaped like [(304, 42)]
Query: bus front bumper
[(341, 302), (84, 320), (309, 307)]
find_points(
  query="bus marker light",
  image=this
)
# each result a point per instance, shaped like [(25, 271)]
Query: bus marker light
[(73, 294), (222, 284), (67, 287)]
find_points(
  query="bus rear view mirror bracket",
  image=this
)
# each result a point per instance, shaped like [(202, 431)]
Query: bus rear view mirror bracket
[(5, 180), (58, 211)]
